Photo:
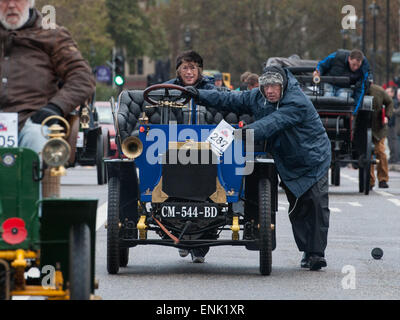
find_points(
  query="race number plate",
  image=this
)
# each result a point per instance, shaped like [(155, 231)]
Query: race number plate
[(79, 140), (8, 130), (221, 137), (189, 211)]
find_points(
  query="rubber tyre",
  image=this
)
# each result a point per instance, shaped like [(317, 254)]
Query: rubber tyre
[(100, 166), (361, 177), (106, 154), (80, 262), (113, 250), (123, 257), (4, 290), (265, 232), (365, 172), (335, 174)]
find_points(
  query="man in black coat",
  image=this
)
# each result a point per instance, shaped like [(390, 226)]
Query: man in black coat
[(298, 142)]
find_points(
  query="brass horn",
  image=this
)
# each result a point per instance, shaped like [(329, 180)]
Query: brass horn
[(132, 147)]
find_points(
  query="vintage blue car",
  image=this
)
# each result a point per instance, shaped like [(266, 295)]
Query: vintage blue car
[(173, 179)]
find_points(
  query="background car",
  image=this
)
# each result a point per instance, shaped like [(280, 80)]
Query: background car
[(106, 121)]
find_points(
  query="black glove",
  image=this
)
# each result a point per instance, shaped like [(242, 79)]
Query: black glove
[(47, 111), (192, 92)]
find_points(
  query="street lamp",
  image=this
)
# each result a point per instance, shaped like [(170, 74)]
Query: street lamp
[(374, 8), (344, 33), (187, 38)]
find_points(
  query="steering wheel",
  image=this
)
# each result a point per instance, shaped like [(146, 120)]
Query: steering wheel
[(167, 87)]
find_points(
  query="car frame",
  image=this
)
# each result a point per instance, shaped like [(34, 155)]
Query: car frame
[(137, 188), (55, 236)]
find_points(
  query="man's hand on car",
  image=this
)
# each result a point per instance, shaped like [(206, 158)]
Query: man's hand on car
[(191, 92), (47, 111)]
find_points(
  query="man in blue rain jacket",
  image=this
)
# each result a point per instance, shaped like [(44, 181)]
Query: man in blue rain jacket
[(345, 63), (298, 142)]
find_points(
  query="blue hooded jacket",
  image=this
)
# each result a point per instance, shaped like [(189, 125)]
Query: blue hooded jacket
[(295, 135)]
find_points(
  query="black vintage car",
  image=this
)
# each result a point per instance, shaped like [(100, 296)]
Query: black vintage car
[(350, 134)]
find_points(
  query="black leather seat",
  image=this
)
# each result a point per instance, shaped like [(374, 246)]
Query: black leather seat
[(132, 105)]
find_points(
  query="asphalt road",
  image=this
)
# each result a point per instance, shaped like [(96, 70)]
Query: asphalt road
[(358, 224)]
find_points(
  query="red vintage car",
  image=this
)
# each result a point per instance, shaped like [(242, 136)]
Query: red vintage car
[(105, 120)]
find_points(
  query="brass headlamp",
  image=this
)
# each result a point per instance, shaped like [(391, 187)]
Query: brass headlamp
[(56, 151)]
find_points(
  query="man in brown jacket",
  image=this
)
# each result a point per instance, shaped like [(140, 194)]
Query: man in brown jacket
[(33, 62), (383, 110)]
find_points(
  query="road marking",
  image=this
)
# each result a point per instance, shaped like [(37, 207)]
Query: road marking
[(383, 193), (395, 201), (335, 210), (355, 204), (349, 177), (101, 215)]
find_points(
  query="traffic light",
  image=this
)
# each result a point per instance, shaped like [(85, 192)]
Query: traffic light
[(119, 65)]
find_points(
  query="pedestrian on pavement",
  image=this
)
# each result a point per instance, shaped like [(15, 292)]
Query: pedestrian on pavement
[(298, 142), (396, 113), (394, 146), (382, 112), (33, 61), (352, 64)]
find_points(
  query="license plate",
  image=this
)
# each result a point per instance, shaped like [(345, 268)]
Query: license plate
[(8, 129), (189, 211)]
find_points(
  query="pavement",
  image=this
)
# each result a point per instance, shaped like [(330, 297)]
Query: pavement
[(394, 167)]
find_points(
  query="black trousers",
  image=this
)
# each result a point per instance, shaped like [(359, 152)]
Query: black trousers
[(309, 216)]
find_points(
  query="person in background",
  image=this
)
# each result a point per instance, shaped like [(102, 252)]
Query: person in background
[(382, 112), (352, 64), (243, 84), (218, 82), (252, 81), (392, 137), (33, 61), (396, 114)]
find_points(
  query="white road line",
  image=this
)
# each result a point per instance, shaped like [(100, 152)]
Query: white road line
[(349, 177), (395, 201), (384, 193), (101, 215), (355, 204), (335, 210)]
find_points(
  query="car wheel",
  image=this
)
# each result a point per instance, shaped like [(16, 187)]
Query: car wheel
[(113, 250), (80, 262), (123, 257), (99, 160), (265, 231)]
